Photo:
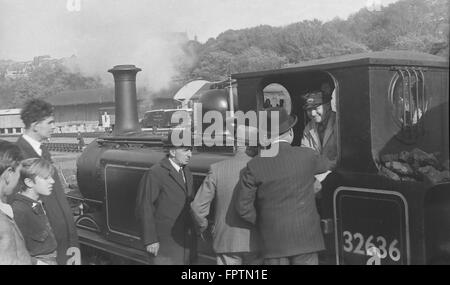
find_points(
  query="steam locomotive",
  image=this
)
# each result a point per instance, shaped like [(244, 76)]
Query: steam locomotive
[(389, 105)]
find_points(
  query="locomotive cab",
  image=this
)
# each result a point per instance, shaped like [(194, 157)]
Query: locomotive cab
[(388, 199)]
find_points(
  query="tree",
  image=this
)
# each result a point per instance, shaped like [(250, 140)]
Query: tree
[(213, 65), (44, 81), (311, 40), (254, 59)]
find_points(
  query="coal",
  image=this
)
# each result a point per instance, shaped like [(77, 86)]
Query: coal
[(389, 157), (433, 175), (424, 158), (404, 156), (400, 168), (389, 174), (416, 165)]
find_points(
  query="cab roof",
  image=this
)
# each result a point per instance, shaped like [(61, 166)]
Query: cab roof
[(360, 59)]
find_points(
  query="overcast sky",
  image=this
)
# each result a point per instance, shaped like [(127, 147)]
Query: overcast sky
[(30, 28), (102, 33)]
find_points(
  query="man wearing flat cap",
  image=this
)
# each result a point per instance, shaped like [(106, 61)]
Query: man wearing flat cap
[(163, 199), (320, 133), (276, 193)]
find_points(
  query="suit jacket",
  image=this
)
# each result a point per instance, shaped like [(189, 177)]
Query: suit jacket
[(34, 225), (277, 194), (163, 210), (12, 244), (230, 232), (58, 210), (311, 139)]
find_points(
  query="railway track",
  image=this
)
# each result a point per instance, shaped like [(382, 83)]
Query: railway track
[(63, 147)]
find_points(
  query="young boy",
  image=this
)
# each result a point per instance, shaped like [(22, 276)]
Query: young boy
[(35, 181), (12, 244)]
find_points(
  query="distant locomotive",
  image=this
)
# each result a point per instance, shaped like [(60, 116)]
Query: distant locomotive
[(389, 105)]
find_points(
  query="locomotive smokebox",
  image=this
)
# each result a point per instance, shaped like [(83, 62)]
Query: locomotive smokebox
[(125, 99)]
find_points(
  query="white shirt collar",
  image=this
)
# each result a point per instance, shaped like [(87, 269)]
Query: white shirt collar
[(5, 208), (34, 144), (176, 166)]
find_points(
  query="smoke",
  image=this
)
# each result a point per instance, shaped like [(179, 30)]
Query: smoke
[(158, 56), (100, 33), (137, 33)]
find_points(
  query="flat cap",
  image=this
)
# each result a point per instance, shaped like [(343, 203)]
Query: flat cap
[(315, 98)]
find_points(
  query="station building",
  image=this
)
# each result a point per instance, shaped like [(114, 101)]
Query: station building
[(81, 110), (10, 122)]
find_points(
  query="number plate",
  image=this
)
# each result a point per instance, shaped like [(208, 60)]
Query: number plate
[(371, 227)]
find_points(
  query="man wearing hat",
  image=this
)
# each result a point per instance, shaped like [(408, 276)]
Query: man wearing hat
[(276, 193), (234, 240), (162, 205), (320, 133)]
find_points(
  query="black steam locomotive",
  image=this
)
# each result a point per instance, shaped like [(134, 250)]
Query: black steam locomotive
[(392, 112)]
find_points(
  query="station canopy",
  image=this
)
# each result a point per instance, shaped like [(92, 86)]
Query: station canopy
[(84, 96)]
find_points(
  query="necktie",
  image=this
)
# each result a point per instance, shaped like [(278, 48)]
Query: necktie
[(182, 174), (45, 153)]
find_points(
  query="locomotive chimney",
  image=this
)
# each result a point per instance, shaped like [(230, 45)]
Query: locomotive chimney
[(126, 99)]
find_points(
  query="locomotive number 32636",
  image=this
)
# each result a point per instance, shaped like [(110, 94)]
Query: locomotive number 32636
[(377, 247)]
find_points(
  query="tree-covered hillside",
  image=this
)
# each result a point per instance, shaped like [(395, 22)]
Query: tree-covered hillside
[(43, 81), (416, 25)]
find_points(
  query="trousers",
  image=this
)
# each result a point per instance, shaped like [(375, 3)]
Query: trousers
[(238, 258), (301, 259)]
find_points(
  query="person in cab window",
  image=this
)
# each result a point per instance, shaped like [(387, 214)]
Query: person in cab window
[(320, 132)]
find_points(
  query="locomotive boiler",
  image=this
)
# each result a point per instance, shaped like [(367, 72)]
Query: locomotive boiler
[(392, 115), (109, 171)]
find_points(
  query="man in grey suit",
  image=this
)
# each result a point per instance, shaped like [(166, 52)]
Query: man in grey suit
[(276, 193), (234, 240)]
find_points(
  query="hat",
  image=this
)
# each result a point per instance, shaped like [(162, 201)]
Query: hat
[(315, 98), (285, 123)]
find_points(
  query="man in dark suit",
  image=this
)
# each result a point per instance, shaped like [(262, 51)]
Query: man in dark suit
[(37, 116), (163, 199), (276, 193)]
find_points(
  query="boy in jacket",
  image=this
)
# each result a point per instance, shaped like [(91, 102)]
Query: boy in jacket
[(35, 181)]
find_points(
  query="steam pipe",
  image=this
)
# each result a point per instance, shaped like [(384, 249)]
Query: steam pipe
[(125, 99)]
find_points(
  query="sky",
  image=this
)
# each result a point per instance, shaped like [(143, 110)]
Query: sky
[(103, 33)]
